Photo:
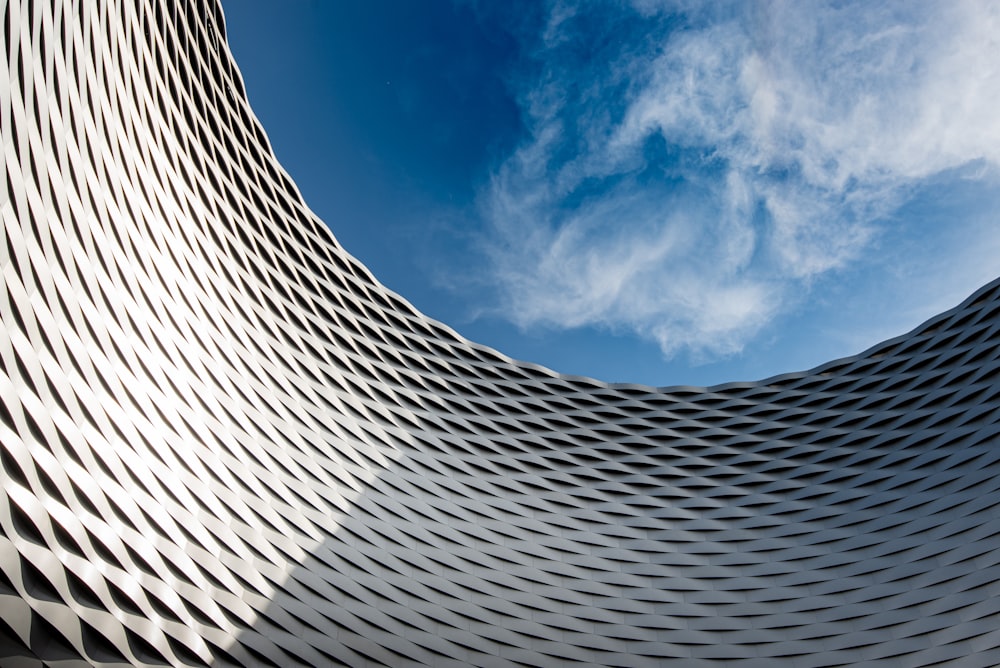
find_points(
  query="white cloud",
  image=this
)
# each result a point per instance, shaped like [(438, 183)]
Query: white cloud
[(690, 184)]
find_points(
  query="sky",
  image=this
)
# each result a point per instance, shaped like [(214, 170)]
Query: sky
[(658, 192)]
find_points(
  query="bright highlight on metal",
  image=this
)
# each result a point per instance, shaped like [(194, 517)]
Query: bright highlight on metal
[(224, 443)]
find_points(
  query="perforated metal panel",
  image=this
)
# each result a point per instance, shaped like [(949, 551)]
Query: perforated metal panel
[(223, 442)]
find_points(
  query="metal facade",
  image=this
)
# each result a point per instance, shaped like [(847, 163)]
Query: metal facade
[(223, 442)]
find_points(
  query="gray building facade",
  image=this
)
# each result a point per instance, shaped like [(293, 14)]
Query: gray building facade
[(223, 442)]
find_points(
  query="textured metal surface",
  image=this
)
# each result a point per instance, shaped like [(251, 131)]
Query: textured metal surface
[(223, 442)]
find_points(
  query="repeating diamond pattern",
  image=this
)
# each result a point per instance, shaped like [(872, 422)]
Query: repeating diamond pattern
[(223, 442)]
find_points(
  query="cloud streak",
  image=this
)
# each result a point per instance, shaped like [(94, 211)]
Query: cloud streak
[(691, 172)]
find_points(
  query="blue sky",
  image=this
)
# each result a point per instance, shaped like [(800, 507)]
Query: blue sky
[(647, 191)]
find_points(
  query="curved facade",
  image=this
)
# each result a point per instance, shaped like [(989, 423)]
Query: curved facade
[(223, 442)]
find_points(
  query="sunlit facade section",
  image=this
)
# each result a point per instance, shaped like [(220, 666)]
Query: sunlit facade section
[(223, 442)]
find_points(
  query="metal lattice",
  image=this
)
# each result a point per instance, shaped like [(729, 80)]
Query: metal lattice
[(223, 442)]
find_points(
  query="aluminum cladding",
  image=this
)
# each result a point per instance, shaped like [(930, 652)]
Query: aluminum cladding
[(223, 442)]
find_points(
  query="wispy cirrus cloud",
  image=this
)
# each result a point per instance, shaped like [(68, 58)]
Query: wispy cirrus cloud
[(691, 171)]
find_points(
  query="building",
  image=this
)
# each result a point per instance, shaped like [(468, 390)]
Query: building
[(223, 442)]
